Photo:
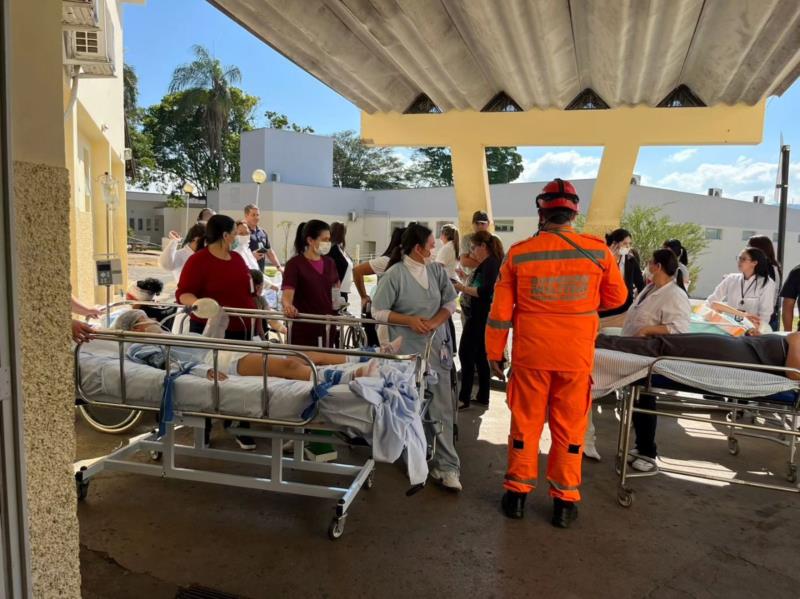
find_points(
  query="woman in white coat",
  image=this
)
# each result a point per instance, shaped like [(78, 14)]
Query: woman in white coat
[(662, 308), (175, 254), (447, 255), (752, 289)]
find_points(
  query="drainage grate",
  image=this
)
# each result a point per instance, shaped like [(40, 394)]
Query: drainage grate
[(198, 592)]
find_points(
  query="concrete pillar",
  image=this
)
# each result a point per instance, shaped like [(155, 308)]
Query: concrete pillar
[(41, 204), (612, 187), (471, 182)]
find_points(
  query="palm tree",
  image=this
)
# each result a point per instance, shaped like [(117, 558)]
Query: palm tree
[(208, 84)]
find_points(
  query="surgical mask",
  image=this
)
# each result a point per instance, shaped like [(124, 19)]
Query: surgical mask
[(323, 248), (242, 241), (624, 251)]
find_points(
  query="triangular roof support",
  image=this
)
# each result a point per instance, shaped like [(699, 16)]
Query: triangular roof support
[(681, 97), (588, 99), (502, 102), (422, 104)]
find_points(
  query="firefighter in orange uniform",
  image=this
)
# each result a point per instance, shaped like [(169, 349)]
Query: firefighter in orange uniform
[(550, 288)]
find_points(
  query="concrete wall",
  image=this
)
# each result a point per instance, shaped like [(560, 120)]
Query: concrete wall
[(41, 202), (298, 158)]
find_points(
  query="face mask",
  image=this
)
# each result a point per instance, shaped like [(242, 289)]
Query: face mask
[(235, 244), (624, 251), (323, 248)]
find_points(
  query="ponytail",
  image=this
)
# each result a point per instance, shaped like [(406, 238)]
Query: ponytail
[(299, 240), (414, 235), (450, 233), (668, 261), (492, 243)]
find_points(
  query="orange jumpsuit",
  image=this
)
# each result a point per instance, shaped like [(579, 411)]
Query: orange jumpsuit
[(550, 291)]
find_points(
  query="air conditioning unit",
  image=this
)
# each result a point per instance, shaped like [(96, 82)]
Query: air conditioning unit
[(127, 154), (352, 216), (89, 45), (636, 180), (758, 199), (275, 177), (715, 192)]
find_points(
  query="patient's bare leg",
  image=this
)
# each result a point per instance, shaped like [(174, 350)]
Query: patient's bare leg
[(253, 365)]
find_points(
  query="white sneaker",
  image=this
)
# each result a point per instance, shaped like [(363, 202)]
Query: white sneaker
[(632, 455), (643, 465), (590, 451), (448, 480)]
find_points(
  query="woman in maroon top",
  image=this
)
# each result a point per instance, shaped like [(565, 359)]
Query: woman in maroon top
[(310, 284), (220, 274)]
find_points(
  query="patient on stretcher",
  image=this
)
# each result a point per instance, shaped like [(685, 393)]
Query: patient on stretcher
[(198, 360), (765, 350)]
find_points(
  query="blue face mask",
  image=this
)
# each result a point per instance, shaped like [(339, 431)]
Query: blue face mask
[(235, 244)]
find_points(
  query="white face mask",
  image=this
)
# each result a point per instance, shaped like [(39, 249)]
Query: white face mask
[(624, 251), (242, 241), (323, 248)]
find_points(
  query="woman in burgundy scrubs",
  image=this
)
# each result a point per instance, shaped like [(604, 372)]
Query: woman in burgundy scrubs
[(311, 285)]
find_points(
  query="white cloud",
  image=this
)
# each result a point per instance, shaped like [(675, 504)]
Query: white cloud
[(569, 164), (683, 155)]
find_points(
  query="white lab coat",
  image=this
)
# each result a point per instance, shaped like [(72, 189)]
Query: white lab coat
[(446, 256), (173, 259), (753, 296), (668, 306)]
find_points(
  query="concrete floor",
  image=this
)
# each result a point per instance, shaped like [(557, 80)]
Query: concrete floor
[(145, 537)]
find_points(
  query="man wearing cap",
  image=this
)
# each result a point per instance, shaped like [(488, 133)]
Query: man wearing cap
[(480, 222), (550, 288)]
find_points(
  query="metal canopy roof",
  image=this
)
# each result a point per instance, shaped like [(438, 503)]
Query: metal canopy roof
[(382, 54)]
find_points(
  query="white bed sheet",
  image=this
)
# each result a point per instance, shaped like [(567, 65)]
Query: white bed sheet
[(614, 370)]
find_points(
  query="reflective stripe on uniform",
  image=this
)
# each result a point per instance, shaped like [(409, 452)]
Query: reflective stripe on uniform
[(499, 324), (531, 481), (561, 487), (557, 255)]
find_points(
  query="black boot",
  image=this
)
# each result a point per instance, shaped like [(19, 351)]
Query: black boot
[(564, 513), (514, 504)]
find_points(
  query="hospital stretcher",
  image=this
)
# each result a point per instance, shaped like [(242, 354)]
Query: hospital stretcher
[(106, 378), (764, 392)]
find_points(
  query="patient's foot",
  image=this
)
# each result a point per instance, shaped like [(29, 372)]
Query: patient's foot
[(371, 368)]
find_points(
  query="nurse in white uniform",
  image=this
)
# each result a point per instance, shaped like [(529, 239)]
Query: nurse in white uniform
[(662, 308), (752, 289), (173, 257)]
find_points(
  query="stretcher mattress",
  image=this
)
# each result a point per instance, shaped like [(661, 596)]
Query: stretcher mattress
[(614, 370), (239, 395)]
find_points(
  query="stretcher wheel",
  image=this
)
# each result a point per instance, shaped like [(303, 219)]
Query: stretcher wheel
[(156, 456), (733, 446), (625, 498), (336, 528), (370, 482), (791, 473), (82, 488)]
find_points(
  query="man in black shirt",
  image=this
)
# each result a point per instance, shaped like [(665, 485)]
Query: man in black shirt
[(790, 292), (259, 241)]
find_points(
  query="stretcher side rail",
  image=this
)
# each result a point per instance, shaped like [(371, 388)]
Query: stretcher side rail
[(628, 406)]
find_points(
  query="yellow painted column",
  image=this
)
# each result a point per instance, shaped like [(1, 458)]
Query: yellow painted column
[(612, 187), (471, 182)]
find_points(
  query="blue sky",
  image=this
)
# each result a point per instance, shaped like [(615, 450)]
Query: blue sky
[(160, 33)]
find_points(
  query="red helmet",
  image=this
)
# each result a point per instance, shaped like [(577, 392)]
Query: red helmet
[(558, 194)]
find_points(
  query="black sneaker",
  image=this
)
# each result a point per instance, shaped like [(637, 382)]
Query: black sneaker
[(564, 513), (514, 504), (245, 442)]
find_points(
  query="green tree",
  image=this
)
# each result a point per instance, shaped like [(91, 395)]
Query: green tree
[(208, 85), (140, 170), (650, 228), (433, 166), (362, 167), (178, 130), (281, 121)]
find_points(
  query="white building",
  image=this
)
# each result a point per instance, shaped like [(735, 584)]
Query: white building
[(371, 215), (149, 219)]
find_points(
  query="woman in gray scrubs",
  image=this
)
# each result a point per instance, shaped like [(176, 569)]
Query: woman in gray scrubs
[(416, 293)]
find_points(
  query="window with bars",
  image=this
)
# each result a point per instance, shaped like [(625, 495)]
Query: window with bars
[(713, 233)]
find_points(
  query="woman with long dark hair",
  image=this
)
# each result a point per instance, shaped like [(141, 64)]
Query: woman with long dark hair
[(476, 301), (344, 264), (620, 243), (415, 292), (764, 243), (751, 290), (661, 309), (310, 284), (682, 274)]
